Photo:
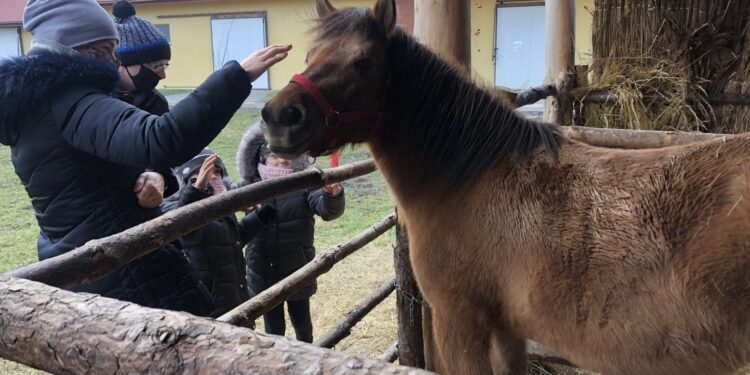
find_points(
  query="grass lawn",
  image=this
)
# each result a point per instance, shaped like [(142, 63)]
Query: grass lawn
[(368, 201)]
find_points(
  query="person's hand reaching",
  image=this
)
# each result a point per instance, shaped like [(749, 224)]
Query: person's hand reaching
[(258, 62)]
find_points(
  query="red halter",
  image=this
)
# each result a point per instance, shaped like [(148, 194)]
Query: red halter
[(336, 119)]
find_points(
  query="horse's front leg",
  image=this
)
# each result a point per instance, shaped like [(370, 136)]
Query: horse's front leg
[(467, 344)]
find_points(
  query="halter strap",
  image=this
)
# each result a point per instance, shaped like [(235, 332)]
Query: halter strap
[(334, 119)]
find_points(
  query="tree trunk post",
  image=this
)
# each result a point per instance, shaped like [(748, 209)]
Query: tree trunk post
[(559, 59), (411, 347), (445, 26)]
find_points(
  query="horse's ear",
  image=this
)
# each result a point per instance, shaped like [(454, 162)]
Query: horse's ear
[(324, 7), (385, 12)]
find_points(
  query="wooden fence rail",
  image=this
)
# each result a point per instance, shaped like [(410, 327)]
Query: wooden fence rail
[(246, 313), (391, 354), (343, 328), (68, 333), (98, 258), (635, 139)]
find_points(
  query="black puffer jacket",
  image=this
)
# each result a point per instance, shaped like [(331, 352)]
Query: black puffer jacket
[(78, 152), (216, 250), (286, 244)]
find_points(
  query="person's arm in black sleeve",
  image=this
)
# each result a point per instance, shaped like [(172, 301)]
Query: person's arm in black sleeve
[(190, 194), (327, 206), (111, 129), (252, 223)]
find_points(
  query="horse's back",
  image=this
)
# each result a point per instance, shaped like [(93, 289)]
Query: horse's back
[(650, 256)]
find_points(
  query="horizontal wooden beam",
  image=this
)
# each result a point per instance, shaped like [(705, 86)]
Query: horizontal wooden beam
[(246, 313), (635, 139), (599, 97), (70, 333), (98, 258), (343, 328), (534, 94)]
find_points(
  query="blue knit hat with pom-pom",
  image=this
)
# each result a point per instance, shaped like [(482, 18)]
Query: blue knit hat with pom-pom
[(140, 40)]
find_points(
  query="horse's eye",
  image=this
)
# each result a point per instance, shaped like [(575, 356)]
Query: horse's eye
[(363, 65)]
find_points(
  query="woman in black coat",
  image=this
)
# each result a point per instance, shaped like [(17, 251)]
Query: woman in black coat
[(215, 250), (78, 150), (286, 243)]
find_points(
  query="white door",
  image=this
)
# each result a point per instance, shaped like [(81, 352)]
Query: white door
[(235, 39), (520, 47), (10, 43)]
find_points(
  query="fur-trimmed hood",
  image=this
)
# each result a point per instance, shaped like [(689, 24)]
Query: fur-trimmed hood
[(26, 80), (248, 155)]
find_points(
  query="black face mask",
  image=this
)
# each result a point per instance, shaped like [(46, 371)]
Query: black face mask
[(145, 80)]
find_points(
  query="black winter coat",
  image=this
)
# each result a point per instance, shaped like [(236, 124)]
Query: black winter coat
[(216, 251), (78, 152), (286, 245)]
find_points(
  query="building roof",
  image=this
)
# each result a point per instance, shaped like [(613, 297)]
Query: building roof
[(11, 12)]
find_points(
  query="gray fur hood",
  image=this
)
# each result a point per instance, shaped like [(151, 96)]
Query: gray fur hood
[(248, 155)]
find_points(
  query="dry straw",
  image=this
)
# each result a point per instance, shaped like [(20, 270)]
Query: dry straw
[(665, 59)]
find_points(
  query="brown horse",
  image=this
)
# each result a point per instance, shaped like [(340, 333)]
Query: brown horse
[(624, 262)]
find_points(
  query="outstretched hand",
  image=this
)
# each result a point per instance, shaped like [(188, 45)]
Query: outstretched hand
[(207, 170), (258, 62)]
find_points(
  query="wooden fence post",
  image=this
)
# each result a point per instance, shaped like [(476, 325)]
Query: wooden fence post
[(411, 350), (559, 59), (445, 26)]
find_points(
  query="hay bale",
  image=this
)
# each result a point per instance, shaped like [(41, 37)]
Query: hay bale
[(678, 51)]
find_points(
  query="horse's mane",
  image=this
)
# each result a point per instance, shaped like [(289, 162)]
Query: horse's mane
[(455, 129)]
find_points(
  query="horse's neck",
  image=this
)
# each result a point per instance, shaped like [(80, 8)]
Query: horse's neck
[(394, 163)]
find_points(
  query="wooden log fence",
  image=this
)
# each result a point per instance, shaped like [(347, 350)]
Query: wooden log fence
[(246, 313), (70, 333), (98, 258), (343, 328)]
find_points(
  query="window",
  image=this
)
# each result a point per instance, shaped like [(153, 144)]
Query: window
[(164, 29), (234, 38), (10, 42)]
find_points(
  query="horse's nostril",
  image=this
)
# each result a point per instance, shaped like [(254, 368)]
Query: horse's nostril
[(266, 114), (290, 115)]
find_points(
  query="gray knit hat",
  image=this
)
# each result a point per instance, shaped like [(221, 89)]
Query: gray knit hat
[(193, 165), (73, 23), (140, 40)]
